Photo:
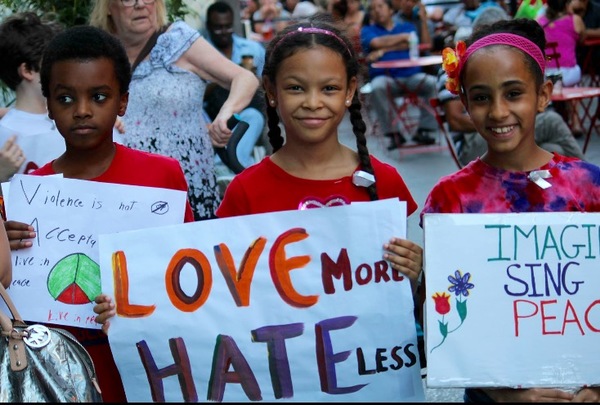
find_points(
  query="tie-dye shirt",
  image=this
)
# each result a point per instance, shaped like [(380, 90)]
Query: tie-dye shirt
[(480, 188)]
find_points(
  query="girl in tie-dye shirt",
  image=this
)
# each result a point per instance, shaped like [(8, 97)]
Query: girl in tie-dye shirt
[(500, 79), (515, 175)]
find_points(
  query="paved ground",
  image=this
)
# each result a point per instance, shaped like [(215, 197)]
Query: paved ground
[(421, 171)]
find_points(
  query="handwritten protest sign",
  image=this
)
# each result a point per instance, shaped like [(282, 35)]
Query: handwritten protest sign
[(294, 305), (57, 279), (512, 299)]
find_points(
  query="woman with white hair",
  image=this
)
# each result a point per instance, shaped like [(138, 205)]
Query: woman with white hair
[(164, 114)]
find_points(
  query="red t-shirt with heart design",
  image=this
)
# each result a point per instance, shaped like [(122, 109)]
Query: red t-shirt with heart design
[(265, 187)]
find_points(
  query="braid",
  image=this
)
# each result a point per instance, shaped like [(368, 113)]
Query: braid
[(275, 138), (359, 128)]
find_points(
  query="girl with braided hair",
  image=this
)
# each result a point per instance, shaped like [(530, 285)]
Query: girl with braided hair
[(310, 79)]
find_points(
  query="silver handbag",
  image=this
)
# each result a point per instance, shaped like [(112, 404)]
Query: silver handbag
[(41, 364)]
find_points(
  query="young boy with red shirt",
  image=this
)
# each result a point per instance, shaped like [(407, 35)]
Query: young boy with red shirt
[(86, 88)]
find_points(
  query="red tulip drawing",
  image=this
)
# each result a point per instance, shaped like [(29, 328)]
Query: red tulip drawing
[(442, 303)]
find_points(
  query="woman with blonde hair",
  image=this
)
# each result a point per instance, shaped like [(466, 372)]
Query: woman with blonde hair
[(164, 114)]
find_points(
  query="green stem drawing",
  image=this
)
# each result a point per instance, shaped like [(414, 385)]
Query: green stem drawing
[(461, 307), (444, 339)]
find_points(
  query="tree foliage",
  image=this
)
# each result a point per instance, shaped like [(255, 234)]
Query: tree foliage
[(69, 13), (76, 12)]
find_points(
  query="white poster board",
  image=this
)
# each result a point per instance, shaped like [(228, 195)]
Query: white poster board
[(287, 306), (57, 278), (532, 314)]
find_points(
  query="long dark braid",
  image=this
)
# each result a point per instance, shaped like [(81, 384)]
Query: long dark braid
[(359, 127), (291, 40), (275, 138)]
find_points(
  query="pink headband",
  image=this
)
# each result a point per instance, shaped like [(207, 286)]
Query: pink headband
[(312, 30), (513, 40)]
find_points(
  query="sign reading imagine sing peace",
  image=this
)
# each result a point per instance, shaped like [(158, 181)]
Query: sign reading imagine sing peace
[(512, 300)]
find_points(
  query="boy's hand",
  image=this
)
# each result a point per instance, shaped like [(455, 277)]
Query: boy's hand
[(19, 234), (405, 257), (105, 308)]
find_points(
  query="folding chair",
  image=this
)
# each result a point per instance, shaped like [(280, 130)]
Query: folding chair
[(440, 116), (404, 114)]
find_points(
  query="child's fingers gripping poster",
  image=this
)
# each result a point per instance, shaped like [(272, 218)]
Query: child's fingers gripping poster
[(286, 306), (513, 300), (57, 279)]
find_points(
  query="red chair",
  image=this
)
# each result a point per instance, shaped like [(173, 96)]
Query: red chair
[(440, 116)]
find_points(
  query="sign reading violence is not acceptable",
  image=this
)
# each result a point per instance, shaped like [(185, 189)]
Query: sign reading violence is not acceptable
[(57, 279), (295, 305), (512, 300)]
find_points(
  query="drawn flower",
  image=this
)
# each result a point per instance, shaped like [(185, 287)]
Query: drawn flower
[(442, 302), (451, 60), (460, 284)]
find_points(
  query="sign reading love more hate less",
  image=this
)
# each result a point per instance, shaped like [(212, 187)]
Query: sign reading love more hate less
[(513, 300), (286, 306), (58, 278)]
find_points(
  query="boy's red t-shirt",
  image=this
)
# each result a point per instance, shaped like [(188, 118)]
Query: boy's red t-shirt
[(133, 167)]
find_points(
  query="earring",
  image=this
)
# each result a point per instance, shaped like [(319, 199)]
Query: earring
[(272, 102), (348, 102)]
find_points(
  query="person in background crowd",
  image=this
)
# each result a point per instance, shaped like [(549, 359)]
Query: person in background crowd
[(247, 16), (28, 137), (167, 89), (305, 9), (270, 18), (564, 30), (242, 51), (352, 16), (589, 11), (459, 18), (414, 12), (384, 40), (289, 5)]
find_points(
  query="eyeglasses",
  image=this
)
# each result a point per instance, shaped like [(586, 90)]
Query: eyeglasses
[(131, 3), (222, 29)]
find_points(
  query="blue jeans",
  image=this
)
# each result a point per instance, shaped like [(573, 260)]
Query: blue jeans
[(423, 84)]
